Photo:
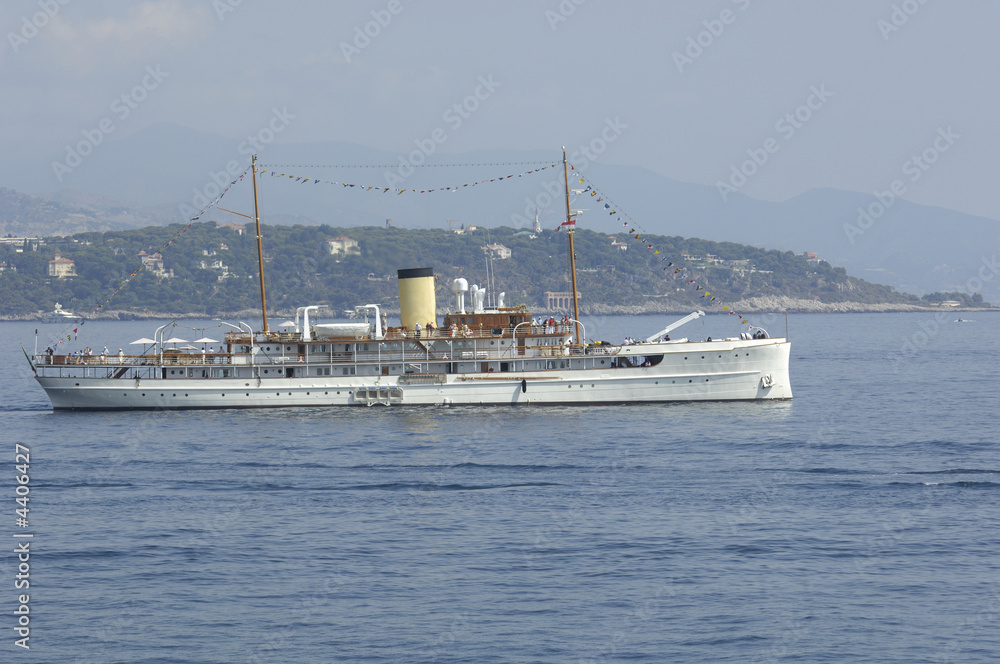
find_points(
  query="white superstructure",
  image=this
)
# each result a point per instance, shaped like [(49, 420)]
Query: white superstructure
[(493, 357)]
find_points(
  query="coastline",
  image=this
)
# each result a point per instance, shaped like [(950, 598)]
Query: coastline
[(754, 305)]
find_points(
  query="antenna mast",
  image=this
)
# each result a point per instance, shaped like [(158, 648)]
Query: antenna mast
[(571, 227), (260, 243)]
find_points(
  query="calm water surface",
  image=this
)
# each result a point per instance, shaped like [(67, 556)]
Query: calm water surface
[(858, 523)]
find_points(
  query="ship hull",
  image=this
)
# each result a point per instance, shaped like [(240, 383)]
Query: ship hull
[(714, 371)]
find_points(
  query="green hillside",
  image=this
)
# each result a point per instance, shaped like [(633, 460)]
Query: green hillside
[(212, 270)]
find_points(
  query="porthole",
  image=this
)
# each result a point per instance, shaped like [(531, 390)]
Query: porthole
[(223, 394), (175, 394), (248, 394), (161, 394), (143, 394), (185, 394), (690, 381), (685, 357), (703, 357)]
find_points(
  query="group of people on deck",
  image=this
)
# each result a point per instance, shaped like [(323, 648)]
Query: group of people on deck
[(84, 356), (551, 325)]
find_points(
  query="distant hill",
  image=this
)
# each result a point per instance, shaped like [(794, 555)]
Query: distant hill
[(910, 247), (67, 213)]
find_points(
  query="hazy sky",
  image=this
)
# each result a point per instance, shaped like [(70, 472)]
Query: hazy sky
[(823, 94)]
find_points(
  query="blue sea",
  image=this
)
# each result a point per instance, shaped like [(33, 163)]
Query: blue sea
[(859, 522)]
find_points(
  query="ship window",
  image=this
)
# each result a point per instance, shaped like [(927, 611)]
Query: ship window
[(349, 371)]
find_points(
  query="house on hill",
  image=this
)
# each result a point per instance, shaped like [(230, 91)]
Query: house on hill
[(239, 229), (343, 246), (498, 250), (62, 268)]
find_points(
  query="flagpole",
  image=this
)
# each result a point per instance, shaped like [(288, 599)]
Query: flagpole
[(260, 243), (571, 228)]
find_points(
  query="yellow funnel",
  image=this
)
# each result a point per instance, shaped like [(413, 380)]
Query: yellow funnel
[(416, 297)]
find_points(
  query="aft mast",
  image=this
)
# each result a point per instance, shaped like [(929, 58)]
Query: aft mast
[(571, 226), (260, 243)]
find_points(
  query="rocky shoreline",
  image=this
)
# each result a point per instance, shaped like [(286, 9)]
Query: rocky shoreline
[(754, 305)]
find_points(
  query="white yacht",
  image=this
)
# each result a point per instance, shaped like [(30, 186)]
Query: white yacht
[(470, 355)]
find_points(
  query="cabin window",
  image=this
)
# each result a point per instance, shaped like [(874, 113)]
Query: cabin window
[(349, 371), (322, 371)]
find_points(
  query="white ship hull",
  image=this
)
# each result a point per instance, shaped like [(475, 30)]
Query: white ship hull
[(698, 371)]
